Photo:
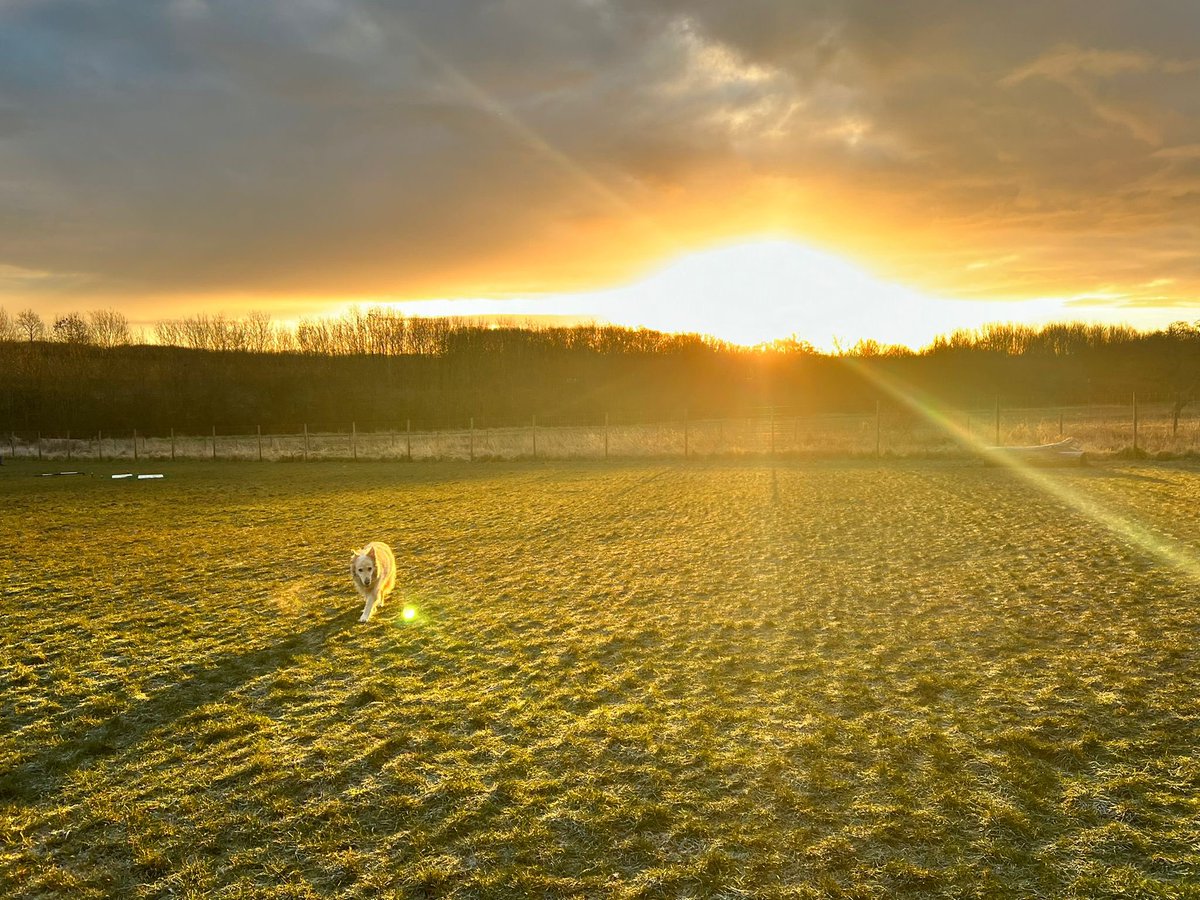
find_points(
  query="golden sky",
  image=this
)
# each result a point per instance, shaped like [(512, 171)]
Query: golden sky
[(1014, 160)]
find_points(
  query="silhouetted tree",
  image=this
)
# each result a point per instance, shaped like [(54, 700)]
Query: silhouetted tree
[(8, 327), (72, 328), (30, 324), (109, 328)]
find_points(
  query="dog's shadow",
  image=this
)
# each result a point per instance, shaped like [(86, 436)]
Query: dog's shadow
[(43, 771)]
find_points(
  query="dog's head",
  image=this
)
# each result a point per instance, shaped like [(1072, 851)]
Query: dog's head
[(363, 566)]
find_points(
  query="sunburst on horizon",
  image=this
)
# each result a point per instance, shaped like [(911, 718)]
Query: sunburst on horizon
[(764, 289)]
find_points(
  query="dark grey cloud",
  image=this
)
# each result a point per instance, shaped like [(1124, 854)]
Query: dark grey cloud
[(356, 148)]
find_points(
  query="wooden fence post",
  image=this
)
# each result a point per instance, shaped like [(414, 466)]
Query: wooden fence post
[(606, 435), (1060, 423), (135, 449), (306, 442), (258, 431), (535, 437), (100, 445), (1135, 424), (472, 450), (354, 440), (408, 434), (877, 429), (39, 444), (214, 442), (68, 446)]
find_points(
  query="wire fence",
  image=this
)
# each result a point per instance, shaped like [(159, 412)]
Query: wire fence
[(886, 431)]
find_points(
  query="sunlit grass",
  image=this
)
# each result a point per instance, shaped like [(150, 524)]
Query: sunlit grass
[(641, 679)]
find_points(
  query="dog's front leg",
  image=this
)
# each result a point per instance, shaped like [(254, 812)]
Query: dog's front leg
[(369, 609)]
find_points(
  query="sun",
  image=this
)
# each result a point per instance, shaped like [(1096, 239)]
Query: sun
[(759, 291)]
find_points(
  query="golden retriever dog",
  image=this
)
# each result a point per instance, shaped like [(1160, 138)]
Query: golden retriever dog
[(374, 572)]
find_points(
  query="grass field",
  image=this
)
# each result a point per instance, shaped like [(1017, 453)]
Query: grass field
[(643, 679)]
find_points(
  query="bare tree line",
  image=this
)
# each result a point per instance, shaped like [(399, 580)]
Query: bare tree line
[(373, 332), (378, 331), (383, 332), (99, 328), (85, 372)]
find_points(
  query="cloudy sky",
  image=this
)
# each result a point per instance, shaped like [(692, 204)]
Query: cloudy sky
[(298, 155)]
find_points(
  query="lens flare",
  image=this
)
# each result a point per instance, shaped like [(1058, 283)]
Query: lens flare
[(409, 613), (1178, 556)]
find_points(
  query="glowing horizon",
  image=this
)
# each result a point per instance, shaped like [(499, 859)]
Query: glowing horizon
[(752, 292), (761, 290)]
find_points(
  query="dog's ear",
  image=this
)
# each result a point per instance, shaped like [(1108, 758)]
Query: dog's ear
[(371, 553)]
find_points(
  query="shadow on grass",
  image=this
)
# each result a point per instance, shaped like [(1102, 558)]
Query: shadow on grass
[(40, 772)]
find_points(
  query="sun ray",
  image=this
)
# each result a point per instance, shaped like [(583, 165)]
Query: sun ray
[(560, 160), (1164, 549)]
